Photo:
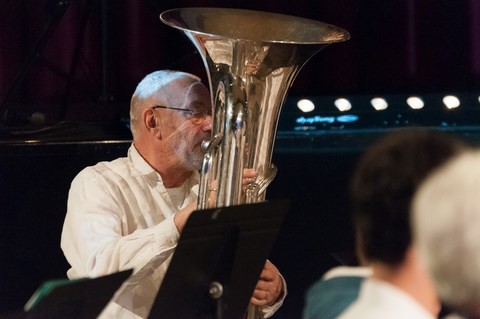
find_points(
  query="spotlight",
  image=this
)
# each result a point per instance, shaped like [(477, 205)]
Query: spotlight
[(415, 102), (305, 105), (451, 101), (343, 104), (379, 103)]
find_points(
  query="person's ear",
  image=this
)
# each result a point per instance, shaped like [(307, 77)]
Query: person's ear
[(150, 121)]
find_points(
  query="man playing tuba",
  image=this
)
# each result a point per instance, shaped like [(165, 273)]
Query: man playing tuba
[(129, 213)]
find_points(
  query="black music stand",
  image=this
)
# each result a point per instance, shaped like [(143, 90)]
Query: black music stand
[(80, 298), (218, 261)]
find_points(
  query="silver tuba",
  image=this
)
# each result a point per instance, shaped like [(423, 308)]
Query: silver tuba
[(252, 59)]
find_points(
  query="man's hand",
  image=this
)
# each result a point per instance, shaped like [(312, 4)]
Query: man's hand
[(269, 287), (249, 176), (180, 217)]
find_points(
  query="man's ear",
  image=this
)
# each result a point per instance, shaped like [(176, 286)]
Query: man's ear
[(150, 121)]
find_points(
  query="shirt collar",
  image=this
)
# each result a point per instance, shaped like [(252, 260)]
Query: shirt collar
[(139, 163)]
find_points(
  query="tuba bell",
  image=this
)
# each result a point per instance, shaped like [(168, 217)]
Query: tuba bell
[(252, 59)]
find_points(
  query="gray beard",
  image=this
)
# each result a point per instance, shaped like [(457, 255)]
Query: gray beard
[(190, 159)]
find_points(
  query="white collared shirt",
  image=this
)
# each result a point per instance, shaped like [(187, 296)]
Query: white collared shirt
[(119, 217)]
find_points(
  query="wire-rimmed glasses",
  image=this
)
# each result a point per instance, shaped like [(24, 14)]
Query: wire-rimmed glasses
[(196, 117)]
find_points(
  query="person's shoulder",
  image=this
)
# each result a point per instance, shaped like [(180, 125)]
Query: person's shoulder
[(105, 169), (106, 165), (334, 292), (339, 278), (336, 286), (347, 271), (361, 309)]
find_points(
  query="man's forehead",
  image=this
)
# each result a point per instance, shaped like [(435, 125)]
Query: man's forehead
[(188, 93), (181, 93), (197, 90)]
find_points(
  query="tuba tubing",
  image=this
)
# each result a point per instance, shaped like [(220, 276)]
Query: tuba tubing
[(251, 59)]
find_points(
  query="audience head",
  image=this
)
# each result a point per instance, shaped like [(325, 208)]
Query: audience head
[(446, 225), (384, 184)]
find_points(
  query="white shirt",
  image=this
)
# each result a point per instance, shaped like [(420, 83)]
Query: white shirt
[(379, 300), (119, 217)]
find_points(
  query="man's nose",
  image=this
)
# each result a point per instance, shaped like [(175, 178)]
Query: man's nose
[(207, 124)]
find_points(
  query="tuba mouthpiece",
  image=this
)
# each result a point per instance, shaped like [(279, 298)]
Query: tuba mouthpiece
[(205, 144)]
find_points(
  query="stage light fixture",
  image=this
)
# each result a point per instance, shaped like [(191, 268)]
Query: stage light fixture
[(451, 101), (379, 103), (343, 104), (305, 105), (415, 102)]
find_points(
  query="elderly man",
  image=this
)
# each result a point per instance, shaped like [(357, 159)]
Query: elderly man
[(446, 221), (129, 213)]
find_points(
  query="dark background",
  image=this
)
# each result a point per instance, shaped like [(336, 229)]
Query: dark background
[(90, 61), (68, 108)]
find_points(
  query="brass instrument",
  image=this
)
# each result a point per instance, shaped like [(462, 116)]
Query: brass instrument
[(252, 59)]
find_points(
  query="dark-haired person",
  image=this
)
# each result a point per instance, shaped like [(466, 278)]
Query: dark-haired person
[(383, 186)]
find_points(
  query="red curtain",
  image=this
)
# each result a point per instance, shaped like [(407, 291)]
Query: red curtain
[(99, 50), (88, 66)]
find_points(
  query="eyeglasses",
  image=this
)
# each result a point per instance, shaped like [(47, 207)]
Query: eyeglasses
[(196, 117)]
